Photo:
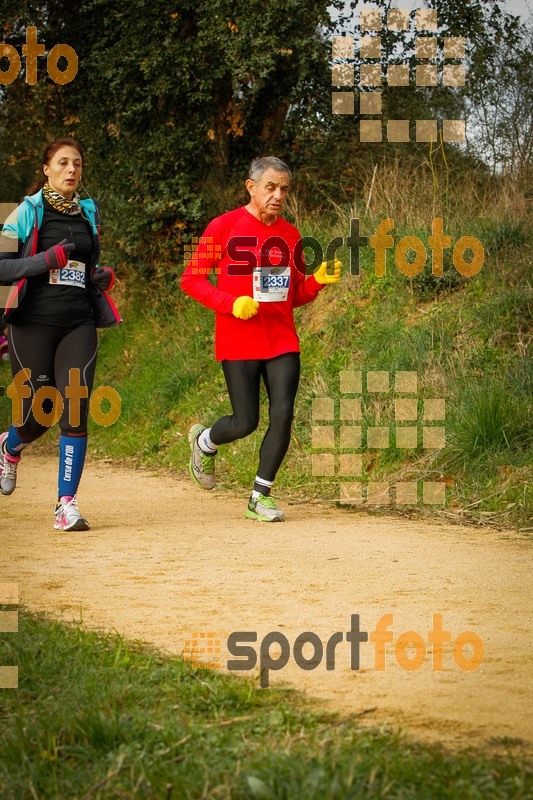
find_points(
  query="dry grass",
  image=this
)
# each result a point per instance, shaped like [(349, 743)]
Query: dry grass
[(413, 194)]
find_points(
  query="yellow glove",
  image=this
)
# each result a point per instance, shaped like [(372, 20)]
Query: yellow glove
[(245, 307), (328, 272)]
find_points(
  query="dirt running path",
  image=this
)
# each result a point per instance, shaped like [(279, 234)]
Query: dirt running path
[(158, 565)]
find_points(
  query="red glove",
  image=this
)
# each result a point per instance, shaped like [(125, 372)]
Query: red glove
[(103, 277), (57, 256)]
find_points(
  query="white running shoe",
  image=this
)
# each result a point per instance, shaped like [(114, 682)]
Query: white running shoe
[(201, 465), (67, 517), (8, 468), (264, 509)]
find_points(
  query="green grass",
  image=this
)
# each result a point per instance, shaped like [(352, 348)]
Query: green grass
[(491, 422), (97, 716)]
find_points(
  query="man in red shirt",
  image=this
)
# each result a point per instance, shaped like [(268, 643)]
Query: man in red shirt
[(257, 257)]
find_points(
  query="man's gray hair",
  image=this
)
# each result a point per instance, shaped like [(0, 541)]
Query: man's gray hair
[(260, 165)]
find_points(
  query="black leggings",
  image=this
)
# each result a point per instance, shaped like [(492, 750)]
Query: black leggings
[(281, 376), (50, 352)]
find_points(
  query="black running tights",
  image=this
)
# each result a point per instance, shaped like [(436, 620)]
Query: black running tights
[(281, 376), (50, 352)]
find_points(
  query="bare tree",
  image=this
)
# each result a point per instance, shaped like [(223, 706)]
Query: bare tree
[(501, 116)]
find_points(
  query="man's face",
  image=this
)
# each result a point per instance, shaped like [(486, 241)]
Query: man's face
[(268, 194)]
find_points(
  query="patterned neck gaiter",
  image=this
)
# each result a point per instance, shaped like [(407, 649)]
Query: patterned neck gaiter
[(60, 203)]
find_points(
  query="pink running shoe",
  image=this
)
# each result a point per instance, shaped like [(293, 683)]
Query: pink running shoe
[(8, 468), (67, 517)]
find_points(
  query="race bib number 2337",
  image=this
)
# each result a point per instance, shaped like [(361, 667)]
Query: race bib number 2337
[(271, 284)]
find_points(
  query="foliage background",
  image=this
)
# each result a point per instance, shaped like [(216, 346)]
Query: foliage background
[(172, 100)]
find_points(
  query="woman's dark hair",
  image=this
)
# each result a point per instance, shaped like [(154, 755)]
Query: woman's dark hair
[(50, 151)]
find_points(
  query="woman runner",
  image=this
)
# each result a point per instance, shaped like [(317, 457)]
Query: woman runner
[(57, 301)]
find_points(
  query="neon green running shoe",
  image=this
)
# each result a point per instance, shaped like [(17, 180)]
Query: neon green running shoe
[(264, 509), (201, 466)]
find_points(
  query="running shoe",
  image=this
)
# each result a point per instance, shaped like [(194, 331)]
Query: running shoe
[(67, 517), (8, 468), (264, 509), (201, 465)]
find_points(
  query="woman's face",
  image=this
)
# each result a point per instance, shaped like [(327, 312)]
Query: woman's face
[(64, 171)]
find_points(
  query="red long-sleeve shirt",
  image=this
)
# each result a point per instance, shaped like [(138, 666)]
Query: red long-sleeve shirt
[(271, 332)]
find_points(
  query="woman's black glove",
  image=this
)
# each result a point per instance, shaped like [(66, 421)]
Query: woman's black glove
[(103, 277), (13, 268), (57, 256)]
